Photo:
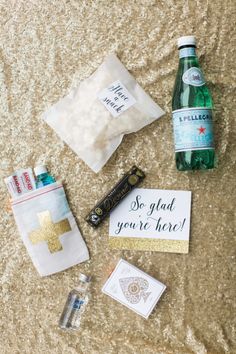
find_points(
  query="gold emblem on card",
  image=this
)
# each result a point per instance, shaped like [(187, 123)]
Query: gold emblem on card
[(135, 289), (49, 231)]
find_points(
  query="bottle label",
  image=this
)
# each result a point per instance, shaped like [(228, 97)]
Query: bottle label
[(77, 304), (187, 52), (193, 76), (193, 129)]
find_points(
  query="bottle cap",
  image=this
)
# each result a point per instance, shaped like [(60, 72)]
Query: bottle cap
[(84, 278), (38, 170), (186, 40)]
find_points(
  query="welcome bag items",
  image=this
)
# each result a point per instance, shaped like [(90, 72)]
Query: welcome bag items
[(46, 224)]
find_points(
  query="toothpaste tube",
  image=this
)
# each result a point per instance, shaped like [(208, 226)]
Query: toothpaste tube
[(21, 182)]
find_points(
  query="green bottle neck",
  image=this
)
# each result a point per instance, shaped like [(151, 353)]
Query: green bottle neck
[(187, 59), (187, 52), (190, 89)]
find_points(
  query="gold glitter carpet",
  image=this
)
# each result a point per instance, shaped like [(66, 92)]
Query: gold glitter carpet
[(48, 46)]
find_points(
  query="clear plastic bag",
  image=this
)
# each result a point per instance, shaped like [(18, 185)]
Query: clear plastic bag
[(83, 119)]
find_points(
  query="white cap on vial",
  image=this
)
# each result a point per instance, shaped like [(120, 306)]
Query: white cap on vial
[(38, 170), (84, 278), (186, 40)]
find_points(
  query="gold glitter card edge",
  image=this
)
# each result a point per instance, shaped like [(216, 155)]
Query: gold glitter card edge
[(144, 244)]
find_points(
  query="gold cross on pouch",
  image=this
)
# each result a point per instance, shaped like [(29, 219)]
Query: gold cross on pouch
[(49, 231)]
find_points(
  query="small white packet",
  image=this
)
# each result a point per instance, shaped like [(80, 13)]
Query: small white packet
[(96, 115)]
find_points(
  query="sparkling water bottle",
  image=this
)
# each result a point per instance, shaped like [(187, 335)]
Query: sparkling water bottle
[(43, 178), (192, 112), (75, 305)]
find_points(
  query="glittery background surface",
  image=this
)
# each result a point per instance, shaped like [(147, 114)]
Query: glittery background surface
[(45, 48)]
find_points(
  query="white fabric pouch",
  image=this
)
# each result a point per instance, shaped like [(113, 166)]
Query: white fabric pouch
[(95, 116), (48, 229)]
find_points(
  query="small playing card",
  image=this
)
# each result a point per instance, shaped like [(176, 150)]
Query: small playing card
[(133, 288)]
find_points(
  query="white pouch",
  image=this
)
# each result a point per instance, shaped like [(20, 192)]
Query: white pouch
[(48, 229), (95, 116)]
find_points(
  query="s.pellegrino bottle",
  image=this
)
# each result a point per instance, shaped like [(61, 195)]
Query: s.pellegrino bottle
[(75, 305), (192, 112)]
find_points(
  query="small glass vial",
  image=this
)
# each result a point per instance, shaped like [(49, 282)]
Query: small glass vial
[(43, 178), (75, 305)]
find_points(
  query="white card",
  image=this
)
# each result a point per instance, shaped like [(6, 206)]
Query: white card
[(152, 219), (116, 98), (133, 288)]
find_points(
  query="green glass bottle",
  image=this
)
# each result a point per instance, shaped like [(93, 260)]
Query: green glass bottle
[(192, 112)]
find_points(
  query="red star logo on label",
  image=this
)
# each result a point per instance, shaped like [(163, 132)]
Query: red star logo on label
[(201, 130)]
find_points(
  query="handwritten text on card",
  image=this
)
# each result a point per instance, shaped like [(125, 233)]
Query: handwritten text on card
[(153, 213)]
